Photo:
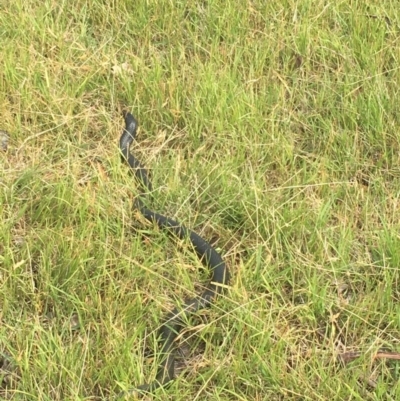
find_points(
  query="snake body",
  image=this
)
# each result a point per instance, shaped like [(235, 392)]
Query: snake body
[(209, 257)]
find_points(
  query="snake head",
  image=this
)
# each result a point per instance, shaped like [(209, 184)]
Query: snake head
[(129, 133)]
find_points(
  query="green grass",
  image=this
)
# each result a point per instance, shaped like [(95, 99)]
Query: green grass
[(269, 127)]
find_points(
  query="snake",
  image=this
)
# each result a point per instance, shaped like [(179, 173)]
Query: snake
[(209, 257)]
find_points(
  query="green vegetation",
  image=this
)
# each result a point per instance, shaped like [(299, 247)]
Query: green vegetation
[(269, 127)]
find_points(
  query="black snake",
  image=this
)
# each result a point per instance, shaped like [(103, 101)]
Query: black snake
[(208, 255)]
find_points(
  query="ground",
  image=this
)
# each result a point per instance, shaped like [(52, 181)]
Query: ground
[(271, 128)]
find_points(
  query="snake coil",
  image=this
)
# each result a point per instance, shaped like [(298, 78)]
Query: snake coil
[(209, 257)]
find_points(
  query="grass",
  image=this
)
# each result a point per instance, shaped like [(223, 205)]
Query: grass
[(271, 128)]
